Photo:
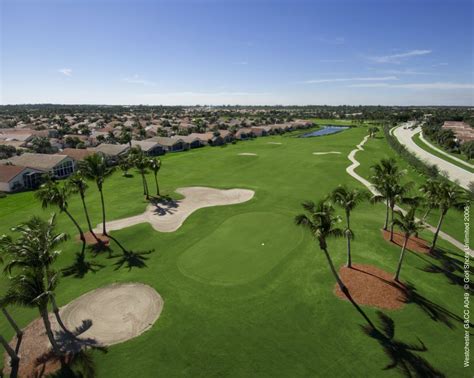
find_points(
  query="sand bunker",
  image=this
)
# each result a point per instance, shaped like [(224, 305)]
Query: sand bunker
[(372, 286), (274, 143), (326, 153), (247, 154), (106, 316), (118, 312), (168, 216)]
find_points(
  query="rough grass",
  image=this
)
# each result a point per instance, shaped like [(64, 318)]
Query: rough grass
[(285, 320)]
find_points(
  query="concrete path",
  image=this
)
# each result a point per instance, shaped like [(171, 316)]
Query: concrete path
[(456, 174), (351, 171)]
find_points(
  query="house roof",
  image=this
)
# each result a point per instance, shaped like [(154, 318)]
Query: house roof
[(9, 172), (43, 162), (76, 153), (111, 149), (145, 145), (186, 138), (165, 141)]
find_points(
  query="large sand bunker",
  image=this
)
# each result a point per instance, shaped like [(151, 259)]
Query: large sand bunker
[(168, 216), (247, 154), (326, 153), (105, 316)]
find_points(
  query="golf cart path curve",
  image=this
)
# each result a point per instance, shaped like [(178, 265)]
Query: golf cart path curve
[(351, 171), (456, 174)]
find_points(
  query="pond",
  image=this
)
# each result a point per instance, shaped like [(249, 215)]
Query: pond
[(326, 130)]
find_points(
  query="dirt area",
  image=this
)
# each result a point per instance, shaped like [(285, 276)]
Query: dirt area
[(372, 286)]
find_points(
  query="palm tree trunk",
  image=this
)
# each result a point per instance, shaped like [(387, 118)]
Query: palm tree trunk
[(438, 228), (14, 359), (386, 216), (426, 214), (104, 230), (143, 183), (402, 254), (56, 314), (391, 223), (86, 212), (47, 325), (81, 233), (334, 272), (147, 193), (18, 331), (348, 236), (157, 186)]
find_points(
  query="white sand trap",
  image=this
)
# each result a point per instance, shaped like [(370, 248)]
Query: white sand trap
[(273, 143), (247, 154), (118, 312), (326, 153), (169, 216)]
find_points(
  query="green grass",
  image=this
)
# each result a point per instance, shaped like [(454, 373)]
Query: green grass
[(235, 308), (421, 144)]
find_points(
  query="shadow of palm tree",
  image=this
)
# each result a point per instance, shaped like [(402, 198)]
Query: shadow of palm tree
[(401, 354), (164, 205), (132, 259), (77, 358), (451, 267), (80, 267)]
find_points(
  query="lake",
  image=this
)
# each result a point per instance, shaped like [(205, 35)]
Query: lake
[(326, 130)]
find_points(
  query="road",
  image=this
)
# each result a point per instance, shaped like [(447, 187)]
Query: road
[(453, 172)]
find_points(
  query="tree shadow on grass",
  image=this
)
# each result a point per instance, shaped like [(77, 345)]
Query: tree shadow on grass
[(76, 359), (452, 268), (131, 259), (80, 267), (401, 354)]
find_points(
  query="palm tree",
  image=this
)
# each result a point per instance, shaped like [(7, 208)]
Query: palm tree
[(385, 175), (28, 289), (408, 224), (448, 196), (50, 193), (95, 167), (155, 165), (399, 194), (78, 184), (33, 254), (12, 353), (321, 223), (430, 194), (141, 164), (348, 199)]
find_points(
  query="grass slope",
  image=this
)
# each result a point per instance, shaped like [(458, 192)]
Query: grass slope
[(275, 315)]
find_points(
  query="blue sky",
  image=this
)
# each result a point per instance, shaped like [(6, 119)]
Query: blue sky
[(405, 52)]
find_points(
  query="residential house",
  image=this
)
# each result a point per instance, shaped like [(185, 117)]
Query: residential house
[(14, 178), (59, 166), (171, 144), (112, 152), (149, 147), (208, 138)]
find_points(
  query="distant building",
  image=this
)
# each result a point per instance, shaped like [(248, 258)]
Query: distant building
[(149, 147), (59, 166), (171, 144), (463, 131)]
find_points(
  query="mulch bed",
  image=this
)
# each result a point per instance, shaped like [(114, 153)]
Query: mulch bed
[(372, 286), (34, 352), (414, 244), (90, 240)]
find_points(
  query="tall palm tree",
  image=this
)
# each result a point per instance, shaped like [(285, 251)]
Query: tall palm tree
[(429, 190), (448, 196), (78, 184), (385, 175), (52, 194), (95, 167), (348, 199), (155, 165), (32, 254), (408, 224), (14, 357), (141, 164), (399, 193), (321, 221)]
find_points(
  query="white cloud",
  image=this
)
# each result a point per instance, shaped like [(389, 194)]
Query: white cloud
[(418, 86), (337, 80), (136, 79), (439, 64), (397, 58), (66, 71), (405, 72)]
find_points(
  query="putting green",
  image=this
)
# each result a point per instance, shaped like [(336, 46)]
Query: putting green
[(254, 251)]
